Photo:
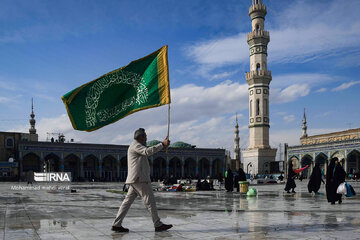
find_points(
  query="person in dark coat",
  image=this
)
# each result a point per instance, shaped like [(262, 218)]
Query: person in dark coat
[(281, 177), (334, 177), (301, 177), (239, 177), (229, 181), (290, 184), (315, 179), (199, 185)]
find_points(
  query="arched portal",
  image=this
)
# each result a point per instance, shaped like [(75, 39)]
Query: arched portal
[(340, 156), (353, 162), (322, 159), (109, 168), (295, 161), (159, 167), (217, 168), (204, 168), (307, 160), (52, 163), (31, 162), (123, 168), (72, 164), (175, 167), (190, 168), (90, 167)]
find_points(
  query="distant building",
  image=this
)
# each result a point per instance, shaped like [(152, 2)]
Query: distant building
[(102, 162), (345, 145), (9, 146)]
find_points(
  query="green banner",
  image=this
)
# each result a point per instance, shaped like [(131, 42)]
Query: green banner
[(142, 84)]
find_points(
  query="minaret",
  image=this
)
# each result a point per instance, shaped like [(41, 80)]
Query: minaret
[(258, 80), (237, 145), (304, 126), (32, 121)]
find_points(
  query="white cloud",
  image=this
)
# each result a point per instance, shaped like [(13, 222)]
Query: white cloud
[(311, 79), (304, 35), (9, 99), (289, 118), (345, 86), (6, 85), (222, 75), (203, 116), (292, 136), (196, 112), (289, 94), (321, 90), (4, 99)]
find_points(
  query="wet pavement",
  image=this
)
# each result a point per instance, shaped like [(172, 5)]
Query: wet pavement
[(88, 214)]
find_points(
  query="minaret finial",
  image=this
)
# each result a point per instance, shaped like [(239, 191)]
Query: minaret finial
[(32, 121)]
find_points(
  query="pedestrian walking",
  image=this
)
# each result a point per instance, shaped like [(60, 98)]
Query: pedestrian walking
[(315, 179), (334, 177), (139, 182), (229, 180)]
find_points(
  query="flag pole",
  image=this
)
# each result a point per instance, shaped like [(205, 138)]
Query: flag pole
[(168, 129)]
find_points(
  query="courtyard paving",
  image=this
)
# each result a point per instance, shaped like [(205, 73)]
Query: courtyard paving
[(88, 214)]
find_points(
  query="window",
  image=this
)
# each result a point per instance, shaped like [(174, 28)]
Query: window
[(258, 68), (257, 107), (265, 107), (251, 102), (9, 143)]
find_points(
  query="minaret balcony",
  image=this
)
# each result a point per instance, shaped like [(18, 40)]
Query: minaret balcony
[(258, 34), (261, 76), (257, 10)]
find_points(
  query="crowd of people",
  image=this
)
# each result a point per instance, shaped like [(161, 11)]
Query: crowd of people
[(334, 177)]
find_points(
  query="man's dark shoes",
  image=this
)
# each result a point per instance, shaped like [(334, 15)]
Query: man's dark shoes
[(163, 227), (119, 229)]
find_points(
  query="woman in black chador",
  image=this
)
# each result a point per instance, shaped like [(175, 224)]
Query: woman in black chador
[(229, 181), (334, 177), (290, 184), (315, 179)]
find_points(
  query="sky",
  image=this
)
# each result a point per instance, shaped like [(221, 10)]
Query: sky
[(49, 47)]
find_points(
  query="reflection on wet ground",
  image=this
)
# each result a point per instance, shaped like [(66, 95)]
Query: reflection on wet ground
[(88, 214)]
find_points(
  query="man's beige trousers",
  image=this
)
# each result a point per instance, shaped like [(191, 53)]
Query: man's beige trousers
[(144, 190)]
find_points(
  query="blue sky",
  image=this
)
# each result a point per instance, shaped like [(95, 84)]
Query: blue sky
[(50, 47)]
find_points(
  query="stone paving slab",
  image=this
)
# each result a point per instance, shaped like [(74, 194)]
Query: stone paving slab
[(88, 214)]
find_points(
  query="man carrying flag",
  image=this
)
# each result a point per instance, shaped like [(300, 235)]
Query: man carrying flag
[(139, 180), (142, 84)]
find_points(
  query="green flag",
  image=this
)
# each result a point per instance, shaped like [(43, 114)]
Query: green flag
[(142, 84)]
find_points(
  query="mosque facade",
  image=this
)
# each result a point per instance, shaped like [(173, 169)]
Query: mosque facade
[(345, 145), (22, 152)]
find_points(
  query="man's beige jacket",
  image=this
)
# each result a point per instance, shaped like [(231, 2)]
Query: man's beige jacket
[(138, 164)]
